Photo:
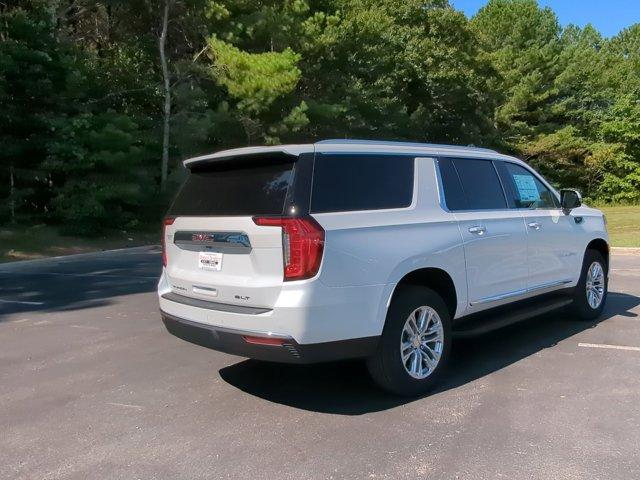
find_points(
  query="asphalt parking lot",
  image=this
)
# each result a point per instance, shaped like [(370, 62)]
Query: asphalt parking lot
[(92, 386)]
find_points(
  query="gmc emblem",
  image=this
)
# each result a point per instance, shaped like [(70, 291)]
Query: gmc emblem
[(200, 237)]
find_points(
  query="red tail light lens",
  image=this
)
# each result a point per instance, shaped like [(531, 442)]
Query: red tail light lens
[(275, 342), (303, 244), (165, 222)]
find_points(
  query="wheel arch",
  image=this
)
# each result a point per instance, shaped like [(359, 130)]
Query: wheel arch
[(599, 245), (435, 279)]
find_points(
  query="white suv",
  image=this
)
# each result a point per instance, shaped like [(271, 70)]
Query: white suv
[(374, 250)]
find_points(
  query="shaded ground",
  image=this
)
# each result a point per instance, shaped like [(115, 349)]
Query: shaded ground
[(39, 241), (91, 386)]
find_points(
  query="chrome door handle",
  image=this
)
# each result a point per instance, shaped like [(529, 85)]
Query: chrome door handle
[(534, 225), (478, 230)]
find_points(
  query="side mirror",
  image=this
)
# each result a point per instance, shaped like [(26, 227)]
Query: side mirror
[(570, 199)]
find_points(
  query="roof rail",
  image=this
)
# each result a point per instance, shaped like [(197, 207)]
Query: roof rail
[(337, 141)]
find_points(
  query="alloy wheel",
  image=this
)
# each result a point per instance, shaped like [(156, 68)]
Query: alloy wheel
[(421, 342)]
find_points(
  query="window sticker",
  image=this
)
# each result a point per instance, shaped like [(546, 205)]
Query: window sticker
[(527, 190)]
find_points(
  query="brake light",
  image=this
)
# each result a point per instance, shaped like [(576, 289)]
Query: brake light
[(165, 222), (275, 342), (302, 242)]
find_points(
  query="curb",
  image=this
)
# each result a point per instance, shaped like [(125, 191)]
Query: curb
[(625, 250), (64, 258)]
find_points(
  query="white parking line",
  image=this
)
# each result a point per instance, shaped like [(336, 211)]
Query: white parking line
[(21, 302), (612, 347), (126, 405)]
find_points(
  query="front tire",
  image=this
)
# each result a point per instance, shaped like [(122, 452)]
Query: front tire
[(591, 292), (415, 343)]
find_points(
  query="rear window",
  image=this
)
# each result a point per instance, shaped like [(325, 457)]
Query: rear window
[(245, 187), (361, 182)]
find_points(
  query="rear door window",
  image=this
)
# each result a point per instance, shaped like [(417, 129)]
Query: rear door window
[(471, 185), (242, 187), (351, 182)]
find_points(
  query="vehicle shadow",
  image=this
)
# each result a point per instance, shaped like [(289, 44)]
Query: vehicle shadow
[(344, 388)]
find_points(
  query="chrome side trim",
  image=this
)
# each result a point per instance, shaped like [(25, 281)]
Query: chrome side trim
[(253, 333), (220, 307), (542, 286), (522, 291), (502, 296)]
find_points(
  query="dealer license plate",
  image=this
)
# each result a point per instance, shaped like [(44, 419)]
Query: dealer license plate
[(210, 261)]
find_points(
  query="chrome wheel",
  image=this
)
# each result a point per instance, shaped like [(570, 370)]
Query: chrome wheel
[(595, 285), (421, 342)]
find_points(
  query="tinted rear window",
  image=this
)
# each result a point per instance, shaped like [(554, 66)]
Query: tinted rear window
[(480, 184), (361, 182), (239, 188)]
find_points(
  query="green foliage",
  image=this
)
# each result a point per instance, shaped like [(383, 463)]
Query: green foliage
[(81, 93), (255, 82), (32, 71), (101, 161), (569, 98), (523, 44), (395, 69)]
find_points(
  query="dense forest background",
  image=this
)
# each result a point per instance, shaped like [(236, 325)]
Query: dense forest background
[(100, 100)]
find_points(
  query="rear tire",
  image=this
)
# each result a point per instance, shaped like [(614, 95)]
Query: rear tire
[(415, 344), (591, 292)]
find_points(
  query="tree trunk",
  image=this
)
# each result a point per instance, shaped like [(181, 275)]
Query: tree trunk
[(167, 97), (12, 194)]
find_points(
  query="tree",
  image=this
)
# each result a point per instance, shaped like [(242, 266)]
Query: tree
[(100, 99), (166, 122), (256, 81), (522, 41), (33, 70), (395, 69)]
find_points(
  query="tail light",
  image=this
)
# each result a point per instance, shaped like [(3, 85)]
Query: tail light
[(165, 222), (302, 242), (275, 342)]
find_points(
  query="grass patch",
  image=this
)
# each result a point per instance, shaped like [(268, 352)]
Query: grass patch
[(39, 241), (623, 223)]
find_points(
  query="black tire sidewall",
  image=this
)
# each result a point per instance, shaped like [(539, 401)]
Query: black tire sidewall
[(396, 378), (581, 307)]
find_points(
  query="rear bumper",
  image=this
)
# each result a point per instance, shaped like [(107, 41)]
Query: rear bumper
[(307, 311), (231, 341)]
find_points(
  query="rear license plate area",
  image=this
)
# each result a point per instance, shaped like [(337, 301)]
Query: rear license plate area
[(211, 261)]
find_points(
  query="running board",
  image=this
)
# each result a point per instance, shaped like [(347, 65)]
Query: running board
[(484, 322)]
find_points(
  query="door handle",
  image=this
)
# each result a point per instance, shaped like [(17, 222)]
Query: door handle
[(534, 225), (477, 229)]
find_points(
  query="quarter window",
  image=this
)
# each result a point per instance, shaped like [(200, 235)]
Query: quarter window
[(361, 182), (527, 191), (453, 195)]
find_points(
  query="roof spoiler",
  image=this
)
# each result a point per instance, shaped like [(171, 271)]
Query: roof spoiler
[(225, 155)]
